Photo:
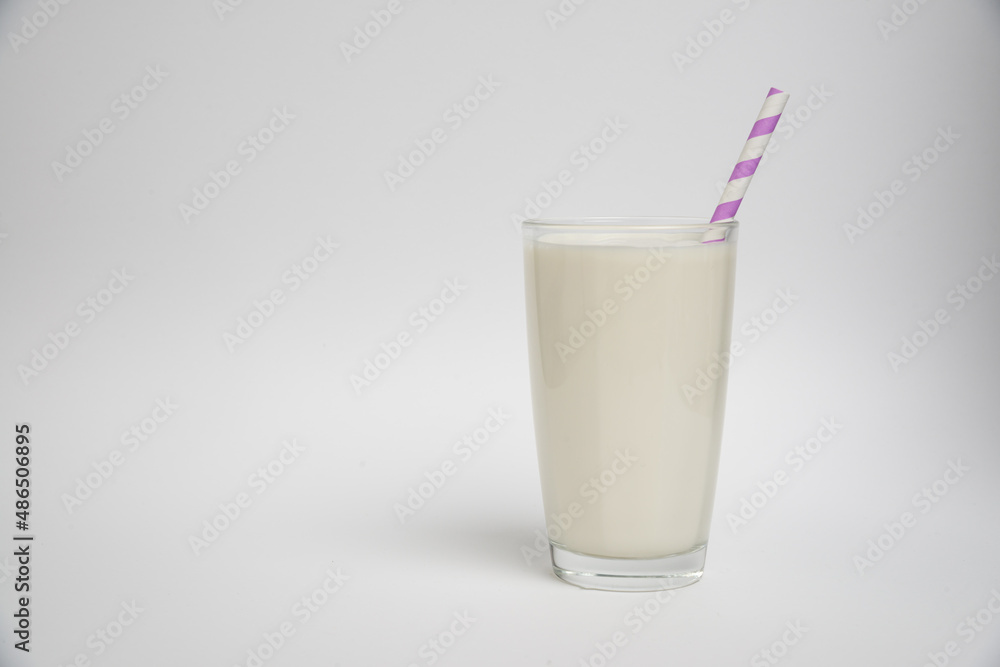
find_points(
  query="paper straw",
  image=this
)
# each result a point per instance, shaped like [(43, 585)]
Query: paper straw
[(761, 133)]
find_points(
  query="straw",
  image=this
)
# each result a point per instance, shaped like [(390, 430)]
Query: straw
[(761, 133)]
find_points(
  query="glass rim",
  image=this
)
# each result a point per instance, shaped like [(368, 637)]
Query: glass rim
[(632, 222)]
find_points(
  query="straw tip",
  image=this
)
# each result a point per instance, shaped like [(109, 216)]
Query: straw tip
[(775, 91)]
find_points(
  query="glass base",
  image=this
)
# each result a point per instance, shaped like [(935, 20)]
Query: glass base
[(628, 574)]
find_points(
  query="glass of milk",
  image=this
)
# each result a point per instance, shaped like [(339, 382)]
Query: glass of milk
[(624, 316)]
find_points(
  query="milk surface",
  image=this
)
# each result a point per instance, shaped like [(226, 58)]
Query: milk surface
[(628, 462)]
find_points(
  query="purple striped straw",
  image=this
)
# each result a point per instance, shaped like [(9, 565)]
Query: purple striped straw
[(761, 133)]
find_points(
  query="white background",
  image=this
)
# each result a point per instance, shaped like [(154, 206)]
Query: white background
[(865, 100)]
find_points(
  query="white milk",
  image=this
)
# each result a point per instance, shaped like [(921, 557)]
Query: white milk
[(628, 462)]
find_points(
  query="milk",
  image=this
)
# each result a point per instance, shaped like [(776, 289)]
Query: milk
[(616, 332)]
